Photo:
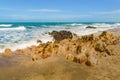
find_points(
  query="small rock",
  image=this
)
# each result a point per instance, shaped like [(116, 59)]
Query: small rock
[(78, 49), (8, 51), (70, 57), (92, 27), (45, 55), (82, 58), (35, 57), (39, 41), (91, 61), (40, 49)]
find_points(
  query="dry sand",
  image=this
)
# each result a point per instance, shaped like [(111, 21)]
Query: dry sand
[(20, 67)]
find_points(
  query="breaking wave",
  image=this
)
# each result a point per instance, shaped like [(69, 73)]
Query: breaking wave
[(5, 25), (15, 28)]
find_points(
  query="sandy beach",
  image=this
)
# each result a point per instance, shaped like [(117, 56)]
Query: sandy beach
[(29, 65)]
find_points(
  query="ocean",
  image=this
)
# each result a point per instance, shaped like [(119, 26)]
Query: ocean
[(19, 35)]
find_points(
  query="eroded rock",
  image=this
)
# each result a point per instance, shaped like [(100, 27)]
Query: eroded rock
[(88, 37), (79, 50), (8, 51), (35, 57), (81, 58), (92, 61), (58, 36), (70, 57)]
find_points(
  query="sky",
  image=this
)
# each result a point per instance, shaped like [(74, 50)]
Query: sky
[(59, 10)]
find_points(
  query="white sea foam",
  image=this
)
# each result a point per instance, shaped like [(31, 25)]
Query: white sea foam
[(16, 28), (116, 25), (24, 39), (82, 30), (25, 44), (5, 25), (45, 38), (102, 25), (22, 45)]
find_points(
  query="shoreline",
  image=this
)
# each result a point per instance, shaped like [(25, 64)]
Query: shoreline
[(34, 42), (19, 64)]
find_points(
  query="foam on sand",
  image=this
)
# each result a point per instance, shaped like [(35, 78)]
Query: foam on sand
[(22, 45)]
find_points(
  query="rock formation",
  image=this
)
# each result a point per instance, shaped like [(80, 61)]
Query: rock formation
[(58, 36), (86, 49)]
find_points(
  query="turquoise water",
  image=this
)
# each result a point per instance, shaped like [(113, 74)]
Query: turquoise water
[(20, 35)]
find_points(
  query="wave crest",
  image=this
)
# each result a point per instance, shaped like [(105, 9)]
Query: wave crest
[(16, 28), (5, 25), (74, 24)]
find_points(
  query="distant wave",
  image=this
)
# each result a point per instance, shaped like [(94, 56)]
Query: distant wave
[(5, 25), (16, 28), (105, 25), (74, 24)]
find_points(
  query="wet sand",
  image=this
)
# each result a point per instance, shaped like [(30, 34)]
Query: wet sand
[(56, 67)]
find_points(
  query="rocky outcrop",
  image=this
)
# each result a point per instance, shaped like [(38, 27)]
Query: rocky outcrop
[(58, 36), (87, 49), (80, 50)]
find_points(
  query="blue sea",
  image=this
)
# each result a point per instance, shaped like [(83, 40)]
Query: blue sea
[(18, 35)]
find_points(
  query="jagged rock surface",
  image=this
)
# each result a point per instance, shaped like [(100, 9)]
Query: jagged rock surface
[(86, 49), (58, 36)]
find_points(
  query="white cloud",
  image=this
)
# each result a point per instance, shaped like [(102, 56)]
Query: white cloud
[(108, 12), (45, 10)]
